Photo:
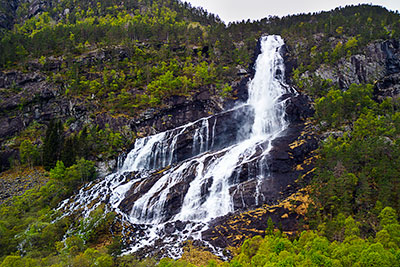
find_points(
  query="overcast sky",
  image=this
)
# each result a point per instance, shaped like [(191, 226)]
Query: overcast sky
[(234, 10)]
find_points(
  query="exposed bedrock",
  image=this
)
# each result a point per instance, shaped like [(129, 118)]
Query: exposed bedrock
[(378, 63)]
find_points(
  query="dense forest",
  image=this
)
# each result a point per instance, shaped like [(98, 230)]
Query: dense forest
[(125, 58)]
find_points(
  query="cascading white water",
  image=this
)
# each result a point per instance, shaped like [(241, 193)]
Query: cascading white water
[(208, 195), (265, 91), (266, 88)]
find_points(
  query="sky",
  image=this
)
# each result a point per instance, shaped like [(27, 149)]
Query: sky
[(237, 10)]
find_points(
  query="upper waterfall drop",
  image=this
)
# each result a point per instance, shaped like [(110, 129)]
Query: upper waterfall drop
[(267, 87)]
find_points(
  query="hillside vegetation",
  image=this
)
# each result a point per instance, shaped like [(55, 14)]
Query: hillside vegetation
[(126, 58)]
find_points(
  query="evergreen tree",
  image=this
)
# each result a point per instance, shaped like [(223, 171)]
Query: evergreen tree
[(70, 152), (52, 145)]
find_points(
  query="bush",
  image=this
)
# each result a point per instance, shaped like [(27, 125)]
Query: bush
[(71, 177), (29, 153)]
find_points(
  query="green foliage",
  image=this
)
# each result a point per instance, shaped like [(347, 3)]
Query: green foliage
[(152, 35), (312, 249), (131, 260), (250, 246), (226, 90), (270, 227), (389, 235), (11, 261), (388, 217), (358, 171), (71, 177), (26, 223), (338, 106), (29, 153), (171, 263)]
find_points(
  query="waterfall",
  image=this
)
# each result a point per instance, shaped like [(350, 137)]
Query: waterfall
[(265, 91), (197, 185)]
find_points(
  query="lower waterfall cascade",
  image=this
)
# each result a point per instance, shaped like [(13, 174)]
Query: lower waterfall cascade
[(156, 184)]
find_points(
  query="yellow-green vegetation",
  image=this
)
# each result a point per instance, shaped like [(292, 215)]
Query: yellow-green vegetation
[(111, 58), (241, 226), (26, 221), (121, 57), (198, 256), (313, 248), (339, 107)]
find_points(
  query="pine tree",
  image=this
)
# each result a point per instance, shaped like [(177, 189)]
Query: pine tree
[(52, 145)]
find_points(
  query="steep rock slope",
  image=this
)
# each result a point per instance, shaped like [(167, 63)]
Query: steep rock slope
[(377, 63), (87, 81)]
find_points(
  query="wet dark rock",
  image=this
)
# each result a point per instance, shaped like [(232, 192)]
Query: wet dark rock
[(290, 62), (132, 196), (391, 48), (169, 228), (44, 101), (178, 113), (5, 158), (298, 108), (279, 171), (174, 198), (205, 189), (226, 128), (179, 225), (389, 86), (223, 127), (290, 158)]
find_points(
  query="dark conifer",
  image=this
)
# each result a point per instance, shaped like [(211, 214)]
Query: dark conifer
[(53, 143)]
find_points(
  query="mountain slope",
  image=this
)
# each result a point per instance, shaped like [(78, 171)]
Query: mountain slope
[(80, 81)]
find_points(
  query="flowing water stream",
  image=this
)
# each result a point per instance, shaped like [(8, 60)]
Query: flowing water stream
[(206, 178)]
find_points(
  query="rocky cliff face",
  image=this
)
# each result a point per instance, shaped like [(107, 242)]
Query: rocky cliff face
[(289, 165), (379, 63), (29, 97)]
